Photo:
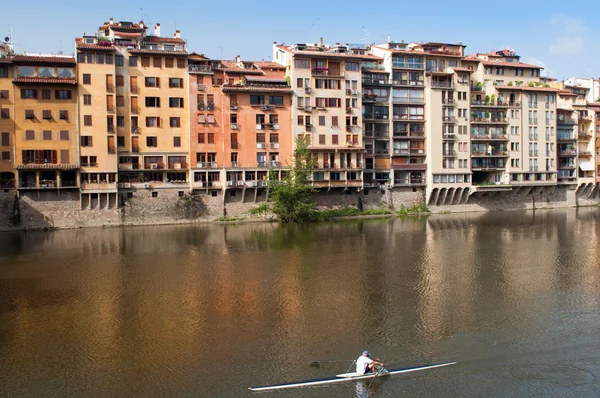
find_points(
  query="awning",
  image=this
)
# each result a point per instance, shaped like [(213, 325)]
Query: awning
[(128, 35), (586, 166)]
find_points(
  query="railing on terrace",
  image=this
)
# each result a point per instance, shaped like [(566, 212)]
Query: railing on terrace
[(408, 65), (200, 68)]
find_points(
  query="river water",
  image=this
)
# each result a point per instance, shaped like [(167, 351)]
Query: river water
[(208, 311)]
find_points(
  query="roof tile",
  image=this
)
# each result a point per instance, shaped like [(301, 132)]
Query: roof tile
[(44, 80), (43, 59)]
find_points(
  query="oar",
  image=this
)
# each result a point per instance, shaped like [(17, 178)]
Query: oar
[(376, 374), (317, 363)]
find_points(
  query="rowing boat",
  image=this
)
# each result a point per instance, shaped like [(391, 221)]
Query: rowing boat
[(348, 377)]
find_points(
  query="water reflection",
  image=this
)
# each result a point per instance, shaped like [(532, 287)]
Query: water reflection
[(138, 311)]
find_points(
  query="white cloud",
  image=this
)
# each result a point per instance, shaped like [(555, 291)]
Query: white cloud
[(570, 38), (536, 61)]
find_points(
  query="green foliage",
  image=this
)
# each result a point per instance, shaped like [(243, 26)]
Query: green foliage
[(416, 208), (530, 84), (289, 197), (510, 84), (487, 99), (537, 84), (260, 210), (493, 99), (324, 215), (546, 85), (230, 219)]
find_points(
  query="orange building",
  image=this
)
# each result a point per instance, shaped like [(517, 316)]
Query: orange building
[(243, 117), (45, 108)]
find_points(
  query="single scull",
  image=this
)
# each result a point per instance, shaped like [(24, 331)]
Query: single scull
[(348, 377)]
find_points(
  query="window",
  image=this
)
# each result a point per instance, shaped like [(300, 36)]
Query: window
[(25, 71), (63, 115), (87, 120), (151, 141), (28, 94), (146, 62), (321, 139), (47, 135), (30, 115), (175, 122), (302, 63), (109, 59), (3, 94), (29, 135), (5, 113), (153, 102), (119, 60), (5, 139), (120, 141), (276, 100), (181, 63), (299, 82), (120, 100), (87, 99), (175, 82), (3, 71), (64, 135), (46, 94), (168, 62), (211, 138), (152, 121), (120, 121), (119, 81), (5, 155), (334, 121), (152, 82), (352, 66), (132, 61), (321, 120), (87, 78), (334, 139), (177, 142), (257, 100), (175, 102), (157, 62), (86, 140), (62, 94)]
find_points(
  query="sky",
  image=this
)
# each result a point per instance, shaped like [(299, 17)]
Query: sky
[(545, 33)]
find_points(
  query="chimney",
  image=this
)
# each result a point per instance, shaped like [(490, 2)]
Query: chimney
[(337, 44), (157, 30), (389, 38), (142, 24), (111, 21), (237, 58), (320, 42), (177, 34)]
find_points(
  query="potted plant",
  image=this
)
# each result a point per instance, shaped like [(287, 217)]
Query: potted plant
[(493, 99), (487, 99)]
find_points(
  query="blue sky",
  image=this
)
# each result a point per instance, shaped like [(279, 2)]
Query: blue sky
[(560, 39)]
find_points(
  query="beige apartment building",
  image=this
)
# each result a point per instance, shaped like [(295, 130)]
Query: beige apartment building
[(326, 110), (134, 117), (7, 131)]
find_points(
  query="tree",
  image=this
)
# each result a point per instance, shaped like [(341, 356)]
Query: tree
[(290, 196)]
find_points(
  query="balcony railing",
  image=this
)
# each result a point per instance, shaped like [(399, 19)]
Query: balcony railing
[(207, 165), (154, 165), (567, 152), (134, 89), (408, 100), (565, 137), (485, 137), (410, 166), (409, 117), (492, 120), (408, 65), (177, 165), (448, 119), (409, 134), (439, 84), (448, 101), (200, 68), (378, 116), (112, 149), (449, 153), (418, 83), (374, 98), (375, 82), (110, 87), (489, 153), (326, 72)]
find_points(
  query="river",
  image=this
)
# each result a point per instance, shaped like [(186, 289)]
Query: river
[(210, 310)]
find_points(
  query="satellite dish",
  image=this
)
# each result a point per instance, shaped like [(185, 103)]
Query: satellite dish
[(7, 39)]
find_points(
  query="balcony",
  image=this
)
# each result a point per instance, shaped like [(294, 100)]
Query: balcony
[(207, 165), (408, 100), (376, 82), (567, 152), (200, 87), (401, 152), (376, 116), (327, 72), (448, 119), (266, 108), (233, 106), (419, 134), (413, 83), (495, 104), (200, 69), (566, 122), (533, 153), (373, 98), (449, 154), (414, 118), (494, 153), (410, 166), (441, 84), (565, 137), (584, 136), (489, 137), (489, 120), (177, 165), (585, 154), (407, 182), (154, 166), (126, 166), (408, 65), (488, 165), (448, 101), (274, 145)]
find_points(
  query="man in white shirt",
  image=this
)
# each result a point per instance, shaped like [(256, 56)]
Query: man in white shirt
[(364, 364)]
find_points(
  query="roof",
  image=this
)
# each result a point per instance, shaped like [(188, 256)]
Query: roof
[(461, 69), (444, 44), (47, 166), (159, 39), (264, 79), (525, 88), (324, 54), (257, 88), (510, 64), (117, 28), (98, 47), (5, 61), (38, 59), (269, 65), (45, 80), (397, 51), (157, 52), (565, 93)]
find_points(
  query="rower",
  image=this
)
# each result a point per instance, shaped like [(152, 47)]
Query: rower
[(364, 364)]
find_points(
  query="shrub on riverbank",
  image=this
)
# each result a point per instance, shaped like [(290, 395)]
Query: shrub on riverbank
[(324, 215), (417, 208)]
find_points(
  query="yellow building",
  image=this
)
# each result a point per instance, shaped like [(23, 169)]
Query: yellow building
[(7, 139), (45, 106), (140, 83)]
